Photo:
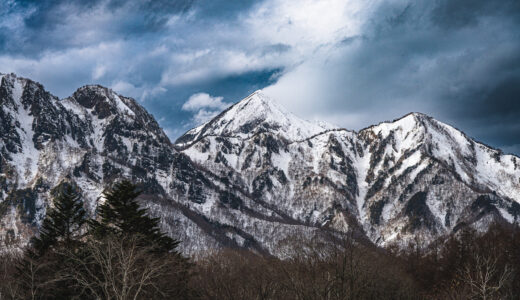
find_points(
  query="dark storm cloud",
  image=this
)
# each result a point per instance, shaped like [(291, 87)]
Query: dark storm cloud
[(493, 113), (61, 24), (347, 62), (487, 103), (456, 14), (458, 61)]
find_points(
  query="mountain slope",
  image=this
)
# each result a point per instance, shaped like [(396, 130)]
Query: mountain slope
[(392, 182), (252, 177), (253, 115), (97, 136)]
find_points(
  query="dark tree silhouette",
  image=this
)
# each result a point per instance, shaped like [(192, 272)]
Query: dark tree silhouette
[(120, 215), (63, 222)]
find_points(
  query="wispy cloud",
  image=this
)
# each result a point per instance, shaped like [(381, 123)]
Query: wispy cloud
[(352, 63), (204, 107)]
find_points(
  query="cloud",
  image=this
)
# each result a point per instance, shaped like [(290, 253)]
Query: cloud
[(403, 60), (352, 63), (204, 107), (52, 25), (203, 100)]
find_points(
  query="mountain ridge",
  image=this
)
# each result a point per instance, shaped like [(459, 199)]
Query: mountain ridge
[(260, 112), (389, 184), (456, 154)]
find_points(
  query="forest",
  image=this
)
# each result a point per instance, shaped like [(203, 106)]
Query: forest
[(122, 254)]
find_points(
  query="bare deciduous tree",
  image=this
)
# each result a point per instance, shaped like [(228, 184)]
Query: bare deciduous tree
[(124, 268), (483, 277), (9, 286)]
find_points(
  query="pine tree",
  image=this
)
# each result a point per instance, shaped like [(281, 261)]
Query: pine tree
[(63, 222), (40, 271), (120, 215)]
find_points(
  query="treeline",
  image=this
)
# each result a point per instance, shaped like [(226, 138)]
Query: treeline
[(122, 254), (469, 265)]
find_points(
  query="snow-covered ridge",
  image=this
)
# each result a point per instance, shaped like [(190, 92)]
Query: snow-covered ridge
[(88, 139), (251, 177), (254, 114), (396, 178), (474, 162)]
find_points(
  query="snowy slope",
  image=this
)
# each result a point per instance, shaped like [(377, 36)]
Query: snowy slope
[(392, 181), (252, 177), (95, 137), (255, 114)]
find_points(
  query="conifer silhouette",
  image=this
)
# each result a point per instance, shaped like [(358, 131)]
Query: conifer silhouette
[(120, 215), (63, 222)]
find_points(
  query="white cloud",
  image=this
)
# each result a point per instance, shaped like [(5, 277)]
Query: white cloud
[(302, 28), (204, 107), (306, 24), (200, 101), (98, 72), (64, 71)]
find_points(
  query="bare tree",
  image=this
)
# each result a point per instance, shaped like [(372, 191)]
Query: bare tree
[(9, 286), (35, 276), (124, 268), (483, 277), (233, 274)]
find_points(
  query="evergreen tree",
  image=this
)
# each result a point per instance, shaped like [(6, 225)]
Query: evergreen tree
[(120, 215), (63, 222), (40, 271)]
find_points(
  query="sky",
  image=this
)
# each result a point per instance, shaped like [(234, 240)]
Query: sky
[(351, 63)]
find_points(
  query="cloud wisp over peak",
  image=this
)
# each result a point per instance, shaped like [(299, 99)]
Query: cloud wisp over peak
[(204, 107)]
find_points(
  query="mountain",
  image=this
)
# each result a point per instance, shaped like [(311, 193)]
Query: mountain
[(253, 115), (393, 182), (252, 177)]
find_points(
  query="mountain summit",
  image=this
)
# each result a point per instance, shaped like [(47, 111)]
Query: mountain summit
[(252, 177), (255, 114), (391, 181)]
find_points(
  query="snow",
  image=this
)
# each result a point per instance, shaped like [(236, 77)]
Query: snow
[(457, 138), (26, 160), (317, 151), (258, 108), (405, 124), (74, 107), (506, 215), (437, 207), (411, 161), (501, 176), (282, 161), (121, 106), (362, 165), (306, 153), (412, 135), (197, 155)]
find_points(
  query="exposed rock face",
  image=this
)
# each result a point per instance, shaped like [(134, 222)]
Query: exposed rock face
[(392, 182), (251, 177)]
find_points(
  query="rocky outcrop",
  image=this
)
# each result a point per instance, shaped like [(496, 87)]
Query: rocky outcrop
[(252, 177)]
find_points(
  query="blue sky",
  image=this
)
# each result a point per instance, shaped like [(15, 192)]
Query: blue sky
[(351, 63)]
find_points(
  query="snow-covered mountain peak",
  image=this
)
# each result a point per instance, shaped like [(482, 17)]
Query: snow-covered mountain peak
[(255, 114), (407, 123), (103, 101), (251, 177), (15, 87)]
